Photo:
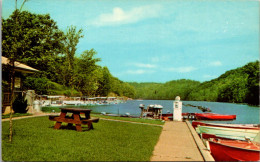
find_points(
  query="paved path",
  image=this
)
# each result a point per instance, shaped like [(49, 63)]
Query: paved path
[(176, 143), (31, 116)]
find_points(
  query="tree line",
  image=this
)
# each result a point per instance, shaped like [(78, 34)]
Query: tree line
[(36, 40), (240, 85)]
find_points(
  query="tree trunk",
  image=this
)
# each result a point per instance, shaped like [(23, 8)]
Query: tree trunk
[(11, 100)]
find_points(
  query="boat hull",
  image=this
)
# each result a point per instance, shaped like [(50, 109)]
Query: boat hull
[(228, 150), (212, 116), (232, 133), (239, 126)]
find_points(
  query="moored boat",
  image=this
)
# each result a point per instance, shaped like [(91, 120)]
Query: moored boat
[(234, 150), (240, 126), (213, 116), (232, 133)]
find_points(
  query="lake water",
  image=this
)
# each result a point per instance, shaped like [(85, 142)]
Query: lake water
[(245, 114)]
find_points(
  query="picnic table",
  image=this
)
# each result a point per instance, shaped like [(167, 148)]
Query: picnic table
[(75, 118)]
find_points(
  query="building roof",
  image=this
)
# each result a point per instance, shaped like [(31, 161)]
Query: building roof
[(19, 66)]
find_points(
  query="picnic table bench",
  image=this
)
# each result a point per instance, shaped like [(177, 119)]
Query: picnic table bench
[(75, 118)]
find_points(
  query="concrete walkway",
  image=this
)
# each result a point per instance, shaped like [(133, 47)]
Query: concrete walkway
[(31, 116), (177, 143)]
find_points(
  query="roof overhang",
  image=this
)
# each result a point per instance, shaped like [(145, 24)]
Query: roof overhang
[(19, 66)]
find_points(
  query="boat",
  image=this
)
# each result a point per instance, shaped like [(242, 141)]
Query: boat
[(214, 116), (203, 116), (232, 133), (240, 126), (234, 150)]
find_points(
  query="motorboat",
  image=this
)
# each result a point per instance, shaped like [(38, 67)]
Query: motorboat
[(232, 133), (234, 150), (240, 126), (214, 116)]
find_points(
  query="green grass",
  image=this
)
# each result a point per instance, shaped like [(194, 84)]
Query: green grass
[(141, 120), (35, 140), (15, 115)]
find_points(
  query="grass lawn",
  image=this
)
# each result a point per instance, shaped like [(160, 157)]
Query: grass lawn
[(35, 140), (141, 120)]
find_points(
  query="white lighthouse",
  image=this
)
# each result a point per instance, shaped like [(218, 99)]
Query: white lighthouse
[(177, 109)]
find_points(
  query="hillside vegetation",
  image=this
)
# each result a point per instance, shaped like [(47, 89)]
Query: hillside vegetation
[(240, 85), (164, 91)]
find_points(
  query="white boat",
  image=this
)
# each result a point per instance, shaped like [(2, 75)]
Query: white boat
[(72, 103), (232, 133)]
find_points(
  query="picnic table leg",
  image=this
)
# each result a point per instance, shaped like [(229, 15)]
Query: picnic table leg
[(87, 114), (77, 118), (90, 125), (70, 124), (58, 124), (78, 127)]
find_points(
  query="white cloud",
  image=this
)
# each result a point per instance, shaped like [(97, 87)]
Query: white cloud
[(119, 16), (180, 69), (209, 76), (144, 65), (215, 63), (160, 58)]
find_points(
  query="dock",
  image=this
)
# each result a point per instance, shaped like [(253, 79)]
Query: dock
[(180, 142)]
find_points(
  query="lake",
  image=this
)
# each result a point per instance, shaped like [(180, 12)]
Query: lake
[(245, 114)]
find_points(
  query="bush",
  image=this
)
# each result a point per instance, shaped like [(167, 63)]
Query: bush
[(20, 104)]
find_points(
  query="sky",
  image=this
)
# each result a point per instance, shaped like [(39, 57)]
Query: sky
[(159, 40)]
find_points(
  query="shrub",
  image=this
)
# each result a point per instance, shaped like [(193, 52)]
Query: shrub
[(20, 104)]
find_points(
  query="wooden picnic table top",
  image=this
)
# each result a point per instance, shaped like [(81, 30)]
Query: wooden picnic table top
[(75, 110)]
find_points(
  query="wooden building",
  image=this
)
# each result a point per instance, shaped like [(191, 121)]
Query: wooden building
[(20, 69)]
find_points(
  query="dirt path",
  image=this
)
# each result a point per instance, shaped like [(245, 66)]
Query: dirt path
[(176, 143)]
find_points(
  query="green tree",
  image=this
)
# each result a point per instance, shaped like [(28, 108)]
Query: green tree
[(105, 82), (72, 39), (39, 40), (252, 96), (87, 73)]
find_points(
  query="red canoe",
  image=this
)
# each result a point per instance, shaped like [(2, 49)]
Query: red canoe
[(239, 126), (213, 116), (234, 150)]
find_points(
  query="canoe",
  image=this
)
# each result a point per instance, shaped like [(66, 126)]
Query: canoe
[(234, 150), (240, 126), (213, 116), (232, 133)]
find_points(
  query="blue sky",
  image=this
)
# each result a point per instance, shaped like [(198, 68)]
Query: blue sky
[(159, 40)]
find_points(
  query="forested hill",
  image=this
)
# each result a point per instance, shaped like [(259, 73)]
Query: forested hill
[(240, 85), (164, 91)]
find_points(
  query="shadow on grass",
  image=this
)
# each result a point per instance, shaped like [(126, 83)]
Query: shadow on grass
[(72, 128)]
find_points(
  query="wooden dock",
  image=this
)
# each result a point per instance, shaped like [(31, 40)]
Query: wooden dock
[(179, 142)]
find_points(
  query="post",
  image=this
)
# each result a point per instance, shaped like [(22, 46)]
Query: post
[(141, 106), (177, 109)]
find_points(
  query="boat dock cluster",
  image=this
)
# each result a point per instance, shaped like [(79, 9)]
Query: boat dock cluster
[(152, 111), (45, 100)]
